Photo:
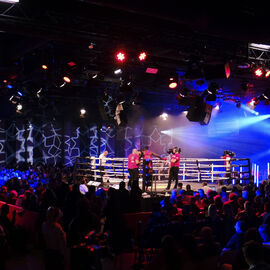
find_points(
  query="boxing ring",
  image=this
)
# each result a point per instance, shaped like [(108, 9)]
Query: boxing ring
[(191, 170)]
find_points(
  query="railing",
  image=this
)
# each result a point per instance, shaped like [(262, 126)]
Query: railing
[(190, 169)]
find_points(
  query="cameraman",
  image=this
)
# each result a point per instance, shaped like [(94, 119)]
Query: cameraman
[(174, 167)]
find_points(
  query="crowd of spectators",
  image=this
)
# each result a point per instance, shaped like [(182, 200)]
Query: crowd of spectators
[(225, 228)]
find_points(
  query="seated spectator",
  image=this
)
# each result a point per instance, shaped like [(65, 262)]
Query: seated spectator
[(12, 197), (223, 194), (237, 240), (189, 191), (254, 256), (265, 216), (168, 258), (208, 246), (218, 203), (55, 240), (205, 187), (179, 187), (219, 187), (264, 231), (3, 194), (247, 215), (6, 223)]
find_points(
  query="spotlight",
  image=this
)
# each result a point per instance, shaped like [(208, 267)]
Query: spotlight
[(9, 86), (173, 83), (120, 56), (151, 70), (71, 64), (83, 111), (20, 93), (66, 79), (44, 67), (253, 103), (142, 56), (118, 71), (4, 81), (38, 92), (19, 107), (217, 107), (164, 116), (91, 46), (267, 74), (258, 72), (10, 1), (94, 76)]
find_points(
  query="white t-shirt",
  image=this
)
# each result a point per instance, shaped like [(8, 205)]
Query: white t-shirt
[(102, 159)]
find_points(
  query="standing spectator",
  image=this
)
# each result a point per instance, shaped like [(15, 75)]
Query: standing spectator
[(123, 197)]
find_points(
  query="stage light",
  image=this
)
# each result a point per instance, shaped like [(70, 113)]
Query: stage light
[(19, 107), (10, 1), (253, 103), (151, 70), (9, 86), (94, 76), (142, 56), (120, 56), (38, 92), (66, 79), (4, 81), (83, 111), (217, 107), (258, 72), (20, 93), (173, 83), (118, 71), (267, 74), (164, 116), (71, 64), (91, 46), (44, 67)]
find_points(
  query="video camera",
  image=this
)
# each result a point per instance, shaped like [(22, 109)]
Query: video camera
[(170, 151), (229, 153)]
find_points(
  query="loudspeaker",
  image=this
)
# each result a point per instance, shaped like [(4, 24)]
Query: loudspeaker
[(220, 71), (207, 114), (199, 111), (196, 110)]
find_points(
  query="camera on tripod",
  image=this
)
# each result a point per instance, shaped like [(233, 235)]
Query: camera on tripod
[(170, 151)]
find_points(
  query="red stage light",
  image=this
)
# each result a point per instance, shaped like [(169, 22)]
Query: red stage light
[(71, 64), (66, 79), (120, 56), (152, 70), (4, 81), (44, 67), (258, 72), (142, 56)]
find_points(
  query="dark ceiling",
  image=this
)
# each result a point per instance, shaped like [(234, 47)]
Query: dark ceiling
[(57, 32)]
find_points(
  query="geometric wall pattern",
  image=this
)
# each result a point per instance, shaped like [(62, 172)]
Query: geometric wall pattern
[(53, 143)]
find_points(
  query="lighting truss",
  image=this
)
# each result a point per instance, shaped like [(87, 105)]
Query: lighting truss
[(259, 52)]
